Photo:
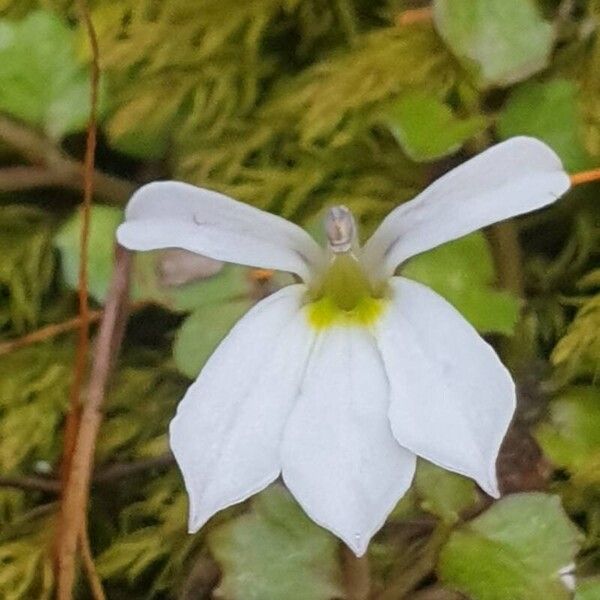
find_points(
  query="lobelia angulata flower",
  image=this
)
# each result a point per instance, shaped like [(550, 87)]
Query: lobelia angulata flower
[(338, 383)]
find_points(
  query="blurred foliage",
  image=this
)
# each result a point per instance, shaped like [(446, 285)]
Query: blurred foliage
[(43, 83), (275, 552), (427, 129), (463, 272), (571, 436), (442, 493), (579, 350), (26, 560), (26, 265), (293, 105), (549, 112), (516, 549), (152, 538)]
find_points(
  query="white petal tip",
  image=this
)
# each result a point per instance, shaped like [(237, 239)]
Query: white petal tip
[(197, 521), (125, 239), (120, 237), (491, 488), (359, 544)]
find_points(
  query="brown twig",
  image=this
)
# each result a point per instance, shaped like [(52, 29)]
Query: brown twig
[(103, 476), (31, 484), (51, 166), (55, 329), (46, 333), (585, 177), (87, 558), (508, 256), (14, 179), (121, 470), (76, 494), (81, 355), (415, 15)]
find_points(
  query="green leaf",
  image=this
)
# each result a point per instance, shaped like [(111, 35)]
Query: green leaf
[(514, 550), (443, 493), (202, 332), (275, 552), (549, 112), (101, 243), (499, 41), (588, 590), (147, 283), (427, 129), (571, 436), (462, 271), (41, 80)]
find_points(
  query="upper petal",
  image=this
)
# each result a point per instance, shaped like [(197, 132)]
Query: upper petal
[(170, 214), (226, 435), (451, 398), (339, 457), (509, 179)]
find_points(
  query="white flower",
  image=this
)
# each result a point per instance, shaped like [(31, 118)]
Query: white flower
[(339, 382)]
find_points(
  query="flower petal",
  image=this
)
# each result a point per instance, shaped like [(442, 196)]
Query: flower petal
[(452, 399), (339, 457), (509, 179), (170, 214), (226, 435)]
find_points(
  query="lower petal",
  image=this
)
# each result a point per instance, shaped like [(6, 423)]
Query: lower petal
[(340, 459), (451, 398), (227, 433)]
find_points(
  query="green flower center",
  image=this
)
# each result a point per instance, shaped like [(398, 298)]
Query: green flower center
[(345, 296)]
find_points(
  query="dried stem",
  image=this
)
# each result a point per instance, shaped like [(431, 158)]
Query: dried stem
[(31, 484), (415, 15), (81, 356), (46, 333), (76, 494), (87, 558), (508, 256), (52, 167), (55, 329), (103, 476), (585, 177), (121, 470)]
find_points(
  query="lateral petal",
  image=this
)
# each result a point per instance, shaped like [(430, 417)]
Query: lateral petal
[(509, 179), (451, 398), (226, 435), (170, 214)]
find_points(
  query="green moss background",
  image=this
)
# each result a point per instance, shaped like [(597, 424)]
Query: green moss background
[(294, 105)]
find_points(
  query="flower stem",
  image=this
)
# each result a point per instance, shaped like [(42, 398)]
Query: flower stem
[(424, 564), (506, 250), (357, 576)]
